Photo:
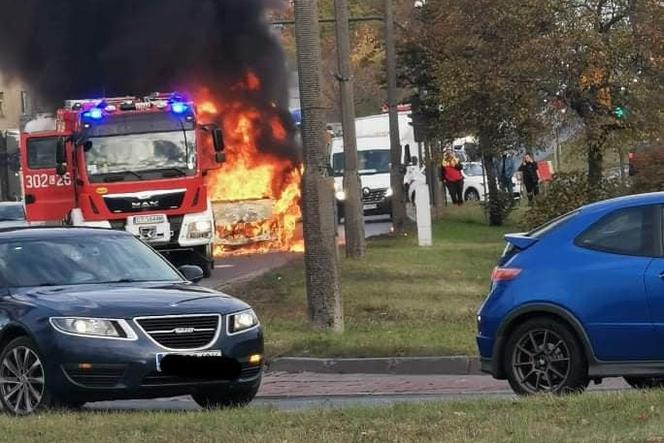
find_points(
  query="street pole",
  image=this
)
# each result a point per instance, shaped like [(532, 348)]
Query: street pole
[(396, 176), (320, 257), (353, 210)]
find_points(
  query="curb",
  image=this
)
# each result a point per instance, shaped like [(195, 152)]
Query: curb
[(459, 365)]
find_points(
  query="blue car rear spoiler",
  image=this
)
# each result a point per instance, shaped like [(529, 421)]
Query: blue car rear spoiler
[(520, 241)]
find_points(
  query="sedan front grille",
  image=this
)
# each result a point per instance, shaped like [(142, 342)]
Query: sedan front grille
[(182, 332)]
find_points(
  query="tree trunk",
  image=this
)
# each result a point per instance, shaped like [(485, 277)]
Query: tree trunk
[(495, 202), (396, 175), (353, 209), (437, 186), (596, 142), (320, 257)]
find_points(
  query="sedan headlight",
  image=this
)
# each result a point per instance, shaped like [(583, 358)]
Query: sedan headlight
[(242, 321), (93, 327)]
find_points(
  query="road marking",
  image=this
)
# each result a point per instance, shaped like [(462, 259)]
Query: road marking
[(224, 266)]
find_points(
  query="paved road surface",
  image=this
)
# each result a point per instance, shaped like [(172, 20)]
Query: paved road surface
[(302, 391)]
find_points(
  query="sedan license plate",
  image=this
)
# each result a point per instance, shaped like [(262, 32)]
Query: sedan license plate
[(205, 355), (370, 207), (149, 219)]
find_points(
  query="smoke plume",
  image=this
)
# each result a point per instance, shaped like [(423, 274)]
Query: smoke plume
[(74, 48)]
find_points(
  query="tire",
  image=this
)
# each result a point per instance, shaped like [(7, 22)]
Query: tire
[(24, 387), (544, 356), (645, 382), (472, 195), (225, 398)]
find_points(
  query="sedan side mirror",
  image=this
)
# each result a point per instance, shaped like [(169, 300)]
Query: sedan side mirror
[(192, 273)]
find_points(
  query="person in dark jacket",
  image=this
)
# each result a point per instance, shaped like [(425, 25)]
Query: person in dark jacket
[(453, 178), (530, 176)]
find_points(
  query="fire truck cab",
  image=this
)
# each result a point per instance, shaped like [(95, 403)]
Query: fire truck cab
[(126, 163)]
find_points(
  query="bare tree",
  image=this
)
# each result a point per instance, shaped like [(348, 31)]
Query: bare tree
[(321, 261)]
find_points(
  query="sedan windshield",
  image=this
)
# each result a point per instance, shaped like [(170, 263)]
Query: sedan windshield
[(81, 260), (135, 153)]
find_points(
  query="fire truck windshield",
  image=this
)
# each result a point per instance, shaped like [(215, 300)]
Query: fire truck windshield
[(141, 156)]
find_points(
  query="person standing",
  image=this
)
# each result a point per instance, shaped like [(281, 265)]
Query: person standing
[(452, 177), (530, 176)]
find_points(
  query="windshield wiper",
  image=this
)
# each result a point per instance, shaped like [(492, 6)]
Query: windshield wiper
[(119, 176), (180, 171)]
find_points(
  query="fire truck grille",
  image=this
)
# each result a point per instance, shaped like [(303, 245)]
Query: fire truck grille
[(186, 332), (373, 196), (130, 204)]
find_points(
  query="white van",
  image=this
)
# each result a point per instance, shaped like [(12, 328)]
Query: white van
[(374, 161)]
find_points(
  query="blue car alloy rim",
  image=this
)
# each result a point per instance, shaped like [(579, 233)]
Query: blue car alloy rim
[(541, 361), (22, 380)]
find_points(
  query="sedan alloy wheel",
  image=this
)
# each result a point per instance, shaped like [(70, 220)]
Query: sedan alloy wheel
[(22, 382)]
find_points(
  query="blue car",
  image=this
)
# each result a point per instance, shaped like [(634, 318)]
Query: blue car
[(89, 315), (580, 299)]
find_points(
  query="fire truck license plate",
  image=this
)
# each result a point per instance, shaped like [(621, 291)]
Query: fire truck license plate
[(149, 219)]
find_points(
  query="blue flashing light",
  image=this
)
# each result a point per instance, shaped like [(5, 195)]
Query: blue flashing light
[(95, 113), (179, 108)]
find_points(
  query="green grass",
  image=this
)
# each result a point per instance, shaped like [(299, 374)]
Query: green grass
[(624, 417), (401, 300)]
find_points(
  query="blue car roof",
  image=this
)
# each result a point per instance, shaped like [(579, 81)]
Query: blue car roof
[(625, 202)]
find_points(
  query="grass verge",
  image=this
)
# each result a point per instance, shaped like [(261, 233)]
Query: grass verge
[(401, 300), (630, 416)]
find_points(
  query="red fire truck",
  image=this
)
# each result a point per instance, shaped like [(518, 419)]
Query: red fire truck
[(126, 163)]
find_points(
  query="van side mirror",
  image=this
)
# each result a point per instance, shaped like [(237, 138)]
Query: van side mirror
[(61, 157)]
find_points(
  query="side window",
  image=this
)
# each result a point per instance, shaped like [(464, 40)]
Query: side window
[(627, 231), (41, 153)]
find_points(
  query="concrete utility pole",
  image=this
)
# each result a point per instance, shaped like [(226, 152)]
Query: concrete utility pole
[(320, 257), (396, 176), (353, 210)]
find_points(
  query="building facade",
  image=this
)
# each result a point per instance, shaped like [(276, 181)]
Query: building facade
[(14, 103)]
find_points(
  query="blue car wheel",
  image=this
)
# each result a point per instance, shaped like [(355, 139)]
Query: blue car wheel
[(543, 356)]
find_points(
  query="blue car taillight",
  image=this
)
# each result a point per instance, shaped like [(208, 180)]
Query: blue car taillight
[(504, 274)]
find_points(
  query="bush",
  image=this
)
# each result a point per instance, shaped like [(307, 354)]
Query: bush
[(567, 192)]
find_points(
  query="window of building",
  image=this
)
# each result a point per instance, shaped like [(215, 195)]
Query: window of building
[(25, 105), (628, 231)]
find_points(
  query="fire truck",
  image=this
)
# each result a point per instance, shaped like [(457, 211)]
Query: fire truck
[(137, 164)]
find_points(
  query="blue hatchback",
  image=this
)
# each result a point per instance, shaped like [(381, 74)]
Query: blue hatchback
[(579, 299)]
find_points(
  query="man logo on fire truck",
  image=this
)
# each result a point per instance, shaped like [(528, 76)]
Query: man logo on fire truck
[(127, 163)]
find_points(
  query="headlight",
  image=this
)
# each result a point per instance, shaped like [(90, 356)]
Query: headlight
[(340, 195), (200, 229), (242, 321), (93, 327), (389, 192)]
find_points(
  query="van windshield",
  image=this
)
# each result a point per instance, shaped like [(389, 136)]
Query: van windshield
[(373, 161)]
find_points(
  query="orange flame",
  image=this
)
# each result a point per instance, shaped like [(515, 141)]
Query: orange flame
[(256, 193)]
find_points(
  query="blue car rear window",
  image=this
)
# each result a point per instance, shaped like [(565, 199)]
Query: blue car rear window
[(552, 225)]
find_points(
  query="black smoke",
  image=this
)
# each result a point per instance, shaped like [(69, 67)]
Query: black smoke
[(89, 48), (103, 48)]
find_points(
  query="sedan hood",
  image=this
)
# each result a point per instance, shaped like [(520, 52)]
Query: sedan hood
[(130, 300)]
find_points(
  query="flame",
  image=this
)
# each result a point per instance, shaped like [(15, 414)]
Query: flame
[(256, 193)]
